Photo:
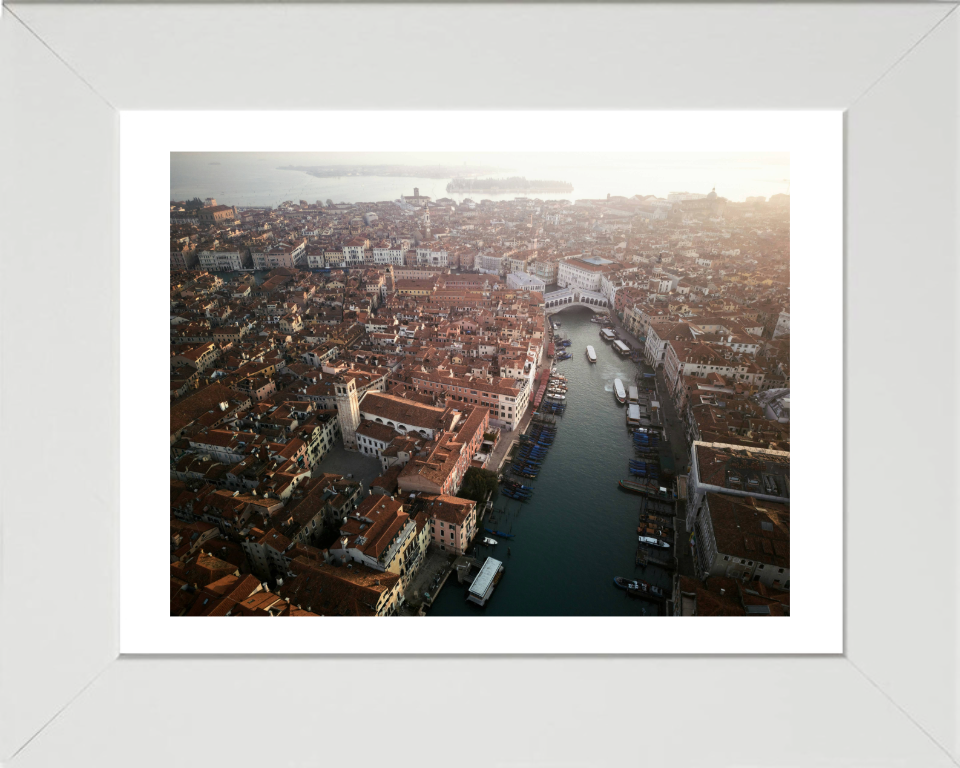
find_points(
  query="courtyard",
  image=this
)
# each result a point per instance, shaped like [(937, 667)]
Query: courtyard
[(350, 464)]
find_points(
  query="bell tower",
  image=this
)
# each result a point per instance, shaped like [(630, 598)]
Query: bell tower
[(348, 410)]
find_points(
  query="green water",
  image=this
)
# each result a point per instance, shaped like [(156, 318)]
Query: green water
[(580, 529)]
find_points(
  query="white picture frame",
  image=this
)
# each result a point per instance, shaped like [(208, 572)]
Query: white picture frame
[(66, 697)]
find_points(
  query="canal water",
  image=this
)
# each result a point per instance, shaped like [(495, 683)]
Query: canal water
[(579, 530)]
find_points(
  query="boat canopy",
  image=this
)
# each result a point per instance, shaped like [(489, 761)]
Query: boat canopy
[(485, 578)]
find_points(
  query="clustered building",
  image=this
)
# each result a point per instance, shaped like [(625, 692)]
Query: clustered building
[(411, 331)]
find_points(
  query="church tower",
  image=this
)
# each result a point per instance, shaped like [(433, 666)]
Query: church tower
[(348, 410)]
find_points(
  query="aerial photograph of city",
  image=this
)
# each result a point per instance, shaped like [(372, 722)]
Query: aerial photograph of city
[(479, 384)]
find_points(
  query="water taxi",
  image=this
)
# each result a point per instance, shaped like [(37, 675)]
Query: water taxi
[(619, 391), (653, 542), (641, 588), (591, 354)]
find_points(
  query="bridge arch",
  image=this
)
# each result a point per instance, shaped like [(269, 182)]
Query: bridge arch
[(573, 297)]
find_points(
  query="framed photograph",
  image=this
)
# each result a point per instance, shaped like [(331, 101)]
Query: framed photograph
[(613, 497), (842, 153)]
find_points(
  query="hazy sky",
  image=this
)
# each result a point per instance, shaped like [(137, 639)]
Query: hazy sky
[(254, 178)]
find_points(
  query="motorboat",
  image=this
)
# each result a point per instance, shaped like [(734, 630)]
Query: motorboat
[(619, 391), (639, 486), (636, 588), (653, 542), (591, 354), (489, 542)]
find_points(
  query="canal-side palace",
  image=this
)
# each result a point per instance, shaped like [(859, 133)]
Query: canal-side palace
[(338, 370)]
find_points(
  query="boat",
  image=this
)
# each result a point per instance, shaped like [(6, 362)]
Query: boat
[(636, 588), (638, 486), (557, 397), (607, 335), (489, 542), (644, 530), (619, 391), (653, 542), (591, 354)]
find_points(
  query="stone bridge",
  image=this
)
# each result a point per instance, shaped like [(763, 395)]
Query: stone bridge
[(574, 297)]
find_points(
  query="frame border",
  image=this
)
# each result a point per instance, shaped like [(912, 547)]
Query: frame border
[(901, 95)]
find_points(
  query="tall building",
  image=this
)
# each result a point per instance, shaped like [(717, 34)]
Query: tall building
[(348, 409)]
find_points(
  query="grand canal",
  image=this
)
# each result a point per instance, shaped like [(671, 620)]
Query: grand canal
[(579, 529)]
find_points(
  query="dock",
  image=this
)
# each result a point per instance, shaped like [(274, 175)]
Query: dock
[(655, 556), (657, 507), (657, 521), (483, 582), (541, 388)]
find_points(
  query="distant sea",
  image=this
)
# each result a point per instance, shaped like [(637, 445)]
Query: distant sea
[(254, 179)]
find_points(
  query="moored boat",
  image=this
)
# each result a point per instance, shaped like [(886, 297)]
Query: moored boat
[(653, 542), (639, 486), (636, 588), (619, 391)]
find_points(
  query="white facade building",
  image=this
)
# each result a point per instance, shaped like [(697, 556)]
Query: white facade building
[(392, 256), (431, 257), (577, 273), (521, 281), (224, 261)]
